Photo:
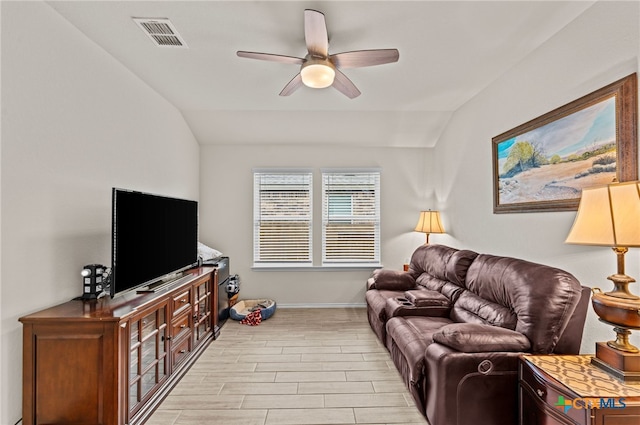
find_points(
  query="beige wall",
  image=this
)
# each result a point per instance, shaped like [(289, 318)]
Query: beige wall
[(226, 215), (596, 49), (74, 124)]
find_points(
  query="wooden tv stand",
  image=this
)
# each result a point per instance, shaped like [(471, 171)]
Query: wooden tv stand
[(112, 361)]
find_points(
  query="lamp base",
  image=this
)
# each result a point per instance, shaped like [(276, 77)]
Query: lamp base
[(623, 365), (622, 341), (616, 312), (621, 287)]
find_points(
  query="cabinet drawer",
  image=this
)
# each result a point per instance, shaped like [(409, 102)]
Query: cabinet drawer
[(535, 412), (180, 351), (630, 415), (547, 396), (181, 326), (181, 302)]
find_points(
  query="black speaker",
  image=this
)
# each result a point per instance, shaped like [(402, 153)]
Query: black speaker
[(93, 281)]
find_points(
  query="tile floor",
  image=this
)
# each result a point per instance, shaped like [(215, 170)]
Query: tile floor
[(301, 366)]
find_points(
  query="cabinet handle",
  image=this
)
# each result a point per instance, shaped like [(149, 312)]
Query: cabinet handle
[(540, 392), (183, 351), (183, 326), (183, 300)]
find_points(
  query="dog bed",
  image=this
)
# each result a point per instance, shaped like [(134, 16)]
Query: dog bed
[(242, 308)]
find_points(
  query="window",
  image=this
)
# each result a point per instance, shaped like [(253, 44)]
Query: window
[(350, 217), (282, 218)]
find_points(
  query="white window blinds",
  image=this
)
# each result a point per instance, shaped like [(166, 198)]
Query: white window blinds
[(282, 218), (350, 217)]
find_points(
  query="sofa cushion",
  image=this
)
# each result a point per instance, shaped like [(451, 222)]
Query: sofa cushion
[(432, 260), (458, 265), (394, 280), (471, 308), (542, 298), (475, 338), (430, 282), (441, 268)]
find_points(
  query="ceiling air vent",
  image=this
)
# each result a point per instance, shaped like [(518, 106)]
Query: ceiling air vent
[(161, 31)]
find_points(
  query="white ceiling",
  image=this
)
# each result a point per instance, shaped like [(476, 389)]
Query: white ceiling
[(449, 52)]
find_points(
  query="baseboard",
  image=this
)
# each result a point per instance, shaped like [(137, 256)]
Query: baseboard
[(324, 305)]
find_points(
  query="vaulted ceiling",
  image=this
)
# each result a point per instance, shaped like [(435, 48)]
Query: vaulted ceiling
[(449, 52)]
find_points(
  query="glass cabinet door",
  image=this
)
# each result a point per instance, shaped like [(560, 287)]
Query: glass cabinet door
[(148, 354), (202, 310)]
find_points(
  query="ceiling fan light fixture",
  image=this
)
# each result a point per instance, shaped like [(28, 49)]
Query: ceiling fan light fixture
[(319, 69), (317, 73)]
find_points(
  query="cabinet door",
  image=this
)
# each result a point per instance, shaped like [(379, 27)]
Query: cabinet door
[(68, 373), (202, 310), (149, 366)]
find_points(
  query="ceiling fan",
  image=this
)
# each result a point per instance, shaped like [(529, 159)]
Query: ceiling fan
[(318, 68)]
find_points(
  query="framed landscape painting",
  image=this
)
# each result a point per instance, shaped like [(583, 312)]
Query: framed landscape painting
[(544, 164)]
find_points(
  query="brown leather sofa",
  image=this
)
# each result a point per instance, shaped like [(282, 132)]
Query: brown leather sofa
[(457, 321)]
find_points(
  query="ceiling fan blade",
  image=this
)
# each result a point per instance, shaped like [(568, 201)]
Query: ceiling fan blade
[(361, 58), (345, 85), (292, 86), (315, 33), (270, 57)]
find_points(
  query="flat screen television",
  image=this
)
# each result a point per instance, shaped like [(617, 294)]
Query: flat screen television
[(153, 237)]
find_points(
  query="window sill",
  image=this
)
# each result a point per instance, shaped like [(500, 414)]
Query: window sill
[(309, 268)]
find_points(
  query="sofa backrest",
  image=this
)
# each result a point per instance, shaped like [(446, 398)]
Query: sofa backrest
[(533, 299), (441, 268)]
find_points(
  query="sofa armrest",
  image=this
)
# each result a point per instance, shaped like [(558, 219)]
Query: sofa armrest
[(427, 298), (393, 280), (400, 306), (371, 284), (487, 382), (478, 338)]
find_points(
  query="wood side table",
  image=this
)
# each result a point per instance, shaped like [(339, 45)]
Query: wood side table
[(569, 390)]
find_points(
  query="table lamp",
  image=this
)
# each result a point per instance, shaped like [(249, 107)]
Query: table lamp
[(429, 222), (610, 216)]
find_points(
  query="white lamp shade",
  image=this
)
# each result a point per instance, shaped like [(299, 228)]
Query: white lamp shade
[(317, 73), (608, 216), (429, 222)]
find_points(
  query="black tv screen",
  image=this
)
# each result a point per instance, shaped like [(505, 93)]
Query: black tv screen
[(152, 237)]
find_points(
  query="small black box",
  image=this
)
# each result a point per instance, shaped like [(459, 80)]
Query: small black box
[(92, 281)]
